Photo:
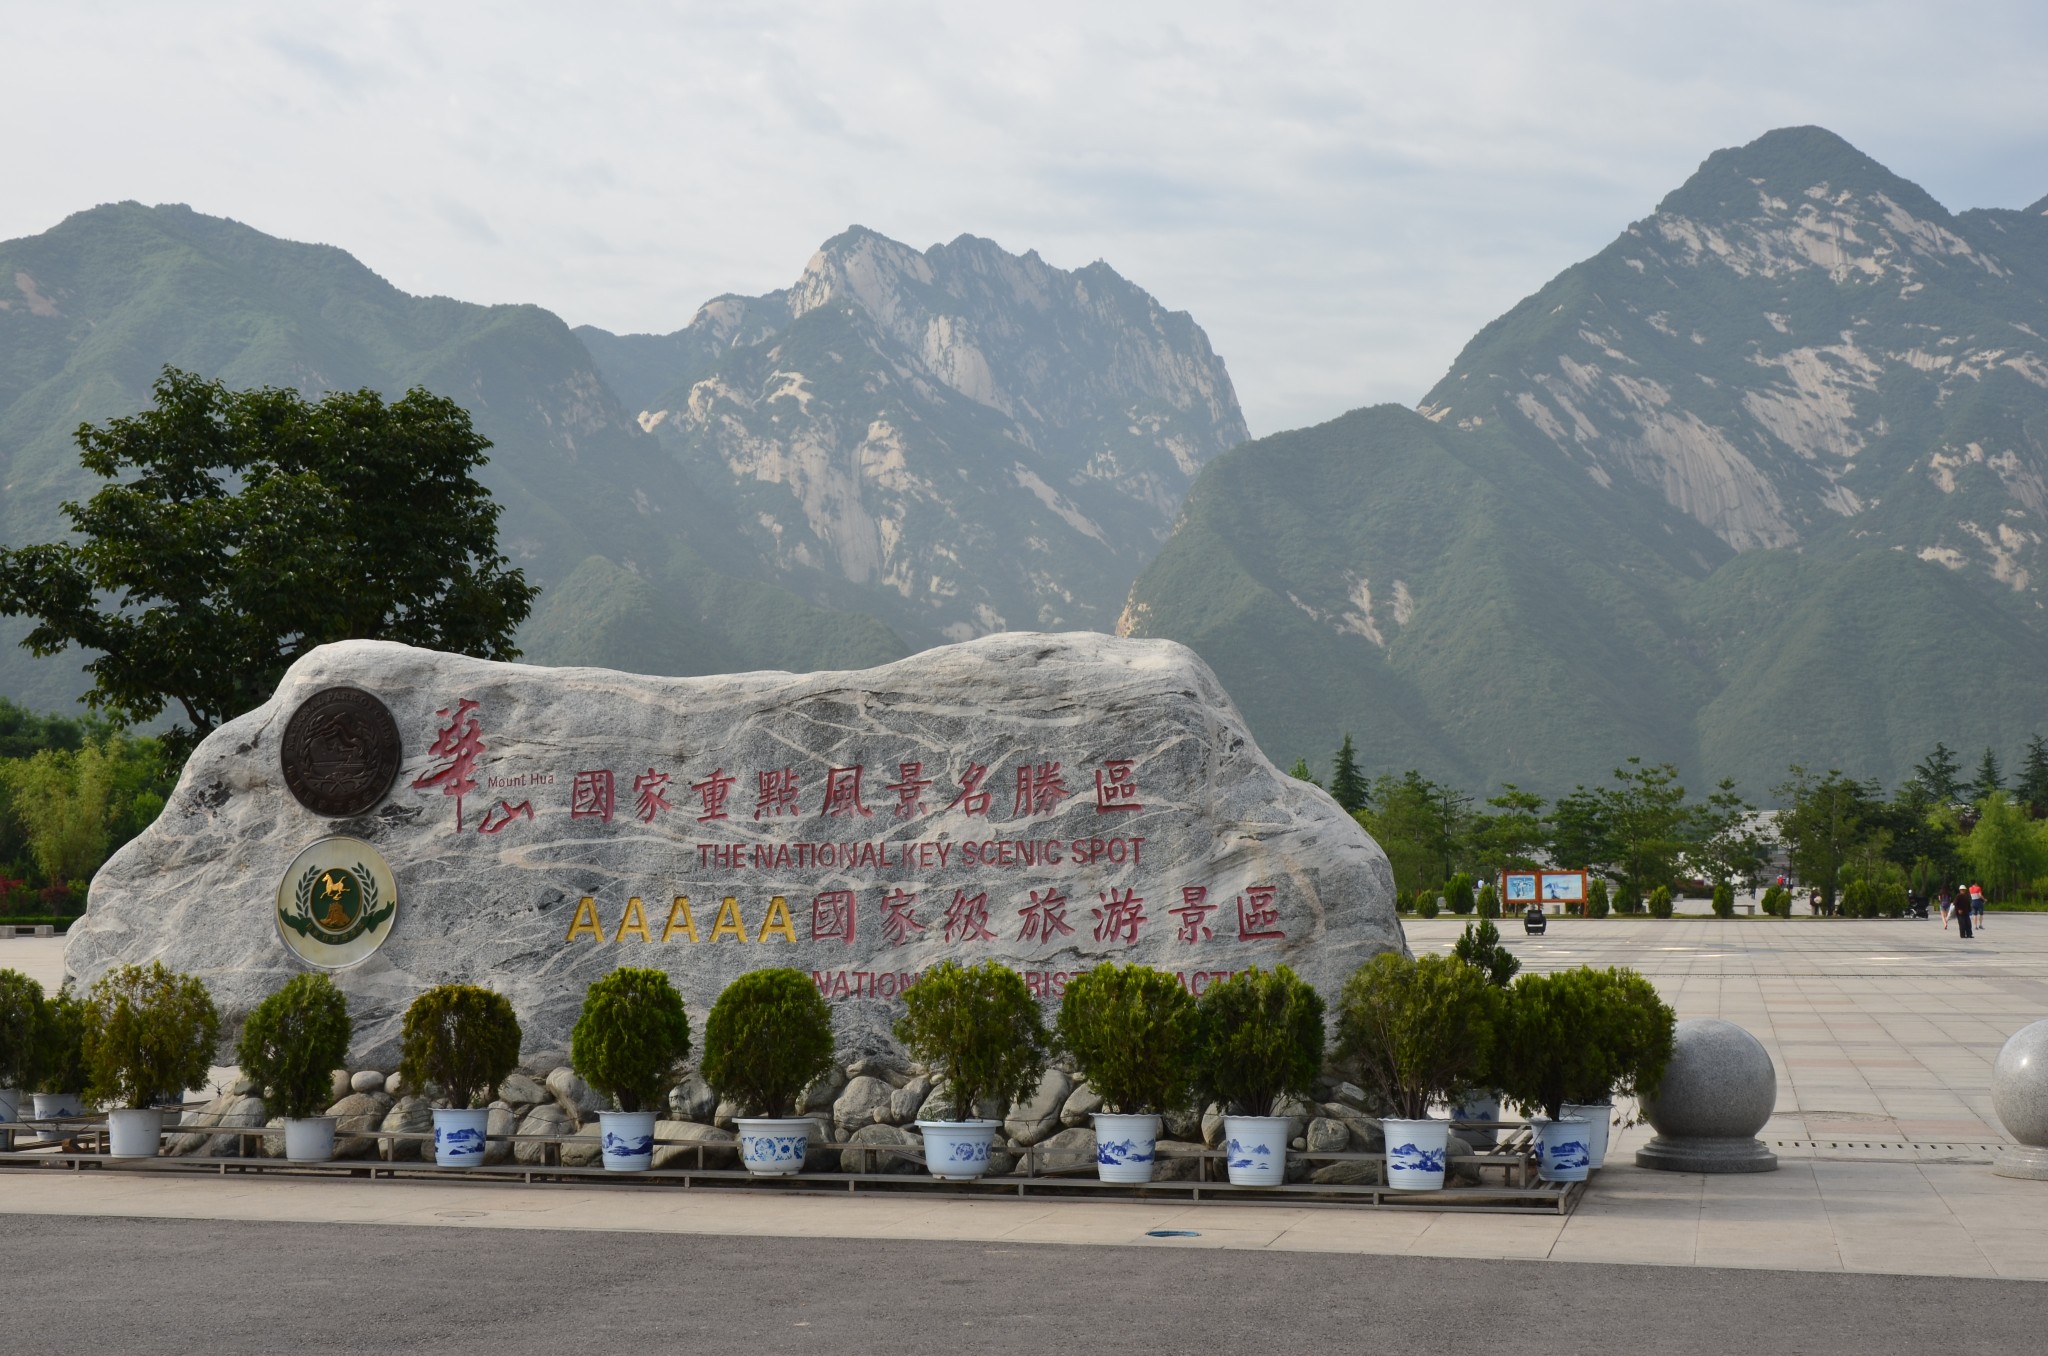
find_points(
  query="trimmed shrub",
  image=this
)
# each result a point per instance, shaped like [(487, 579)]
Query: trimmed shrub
[(1479, 945), (148, 1033), (60, 1049), (1596, 898), (1639, 1033), (769, 1034), (1458, 894), (1262, 1039), (21, 1024), (1426, 905), (1724, 900), (1582, 1036), (293, 1042), (1418, 1030), (979, 1029), (1660, 902), (461, 1040), (1487, 902), (1135, 1035)]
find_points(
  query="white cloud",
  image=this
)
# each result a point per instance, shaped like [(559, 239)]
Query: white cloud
[(1340, 193)]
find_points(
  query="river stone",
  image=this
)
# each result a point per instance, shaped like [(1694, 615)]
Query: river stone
[(574, 1095), (519, 1092), (692, 1100), (905, 1101), (691, 1134), (821, 1092), (1038, 1115), (891, 1068), (356, 1120), (1176, 1160), (1718, 1091), (1184, 1123), (229, 1109), (503, 1121), (273, 1145), (367, 1080), (584, 1149), (408, 1115), (549, 1118), (1327, 1135), (342, 1085), (1081, 1104), (865, 1102), (1067, 1151), (1365, 1133), (1159, 787), (1356, 1172), (857, 1160)]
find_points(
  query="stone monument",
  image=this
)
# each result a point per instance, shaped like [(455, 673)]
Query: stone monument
[(1718, 1091), (2019, 1094), (406, 818)]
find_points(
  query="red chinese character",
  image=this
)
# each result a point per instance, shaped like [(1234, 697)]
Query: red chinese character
[(1115, 786), (832, 916), (972, 799), (503, 813), (712, 791), (967, 918), (777, 794), (899, 917), (1039, 789), (1045, 916), (1194, 914), (1119, 916), (460, 741), (648, 798), (1257, 920), (842, 792), (590, 795), (909, 789)]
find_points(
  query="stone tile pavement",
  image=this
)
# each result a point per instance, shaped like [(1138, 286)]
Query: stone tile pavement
[(1883, 1033)]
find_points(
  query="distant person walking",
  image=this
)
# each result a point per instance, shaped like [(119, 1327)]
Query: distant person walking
[(1963, 914), (1977, 903)]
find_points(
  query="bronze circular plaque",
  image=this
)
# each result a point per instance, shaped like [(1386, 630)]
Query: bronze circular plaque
[(340, 751)]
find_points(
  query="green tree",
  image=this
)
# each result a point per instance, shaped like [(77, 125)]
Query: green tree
[(633, 1032), (67, 810), (255, 526), (2006, 849), (1511, 839), (1988, 780), (1300, 772), (2032, 789), (1637, 828), (768, 1035), (1941, 774), (1825, 818), (1734, 844), (1347, 784)]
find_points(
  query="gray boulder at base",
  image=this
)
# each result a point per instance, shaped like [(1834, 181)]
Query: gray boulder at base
[(1718, 1091), (1068, 799)]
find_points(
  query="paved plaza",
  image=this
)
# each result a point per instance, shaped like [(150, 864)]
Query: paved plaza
[(1883, 1033)]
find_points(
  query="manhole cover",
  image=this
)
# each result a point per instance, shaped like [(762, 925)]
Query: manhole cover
[(1173, 1233)]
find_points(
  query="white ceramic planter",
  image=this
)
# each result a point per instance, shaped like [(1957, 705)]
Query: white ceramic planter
[(10, 1109), (50, 1105), (1255, 1149), (773, 1148), (1561, 1151), (957, 1151), (1417, 1153), (625, 1140), (310, 1140), (1125, 1146), (459, 1136), (134, 1134), (1599, 1118), (1478, 1105)]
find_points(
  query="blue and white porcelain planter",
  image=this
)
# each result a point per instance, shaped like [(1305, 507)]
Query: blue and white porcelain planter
[(1562, 1152), (1417, 1153), (134, 1134), (773, 1148), (1599, 1118), (1126, 1147), (51, 1105), (311, 1139), (459, 1136), (957, 1151), (1478, 1104), (1255, 1149), (626, 1140)]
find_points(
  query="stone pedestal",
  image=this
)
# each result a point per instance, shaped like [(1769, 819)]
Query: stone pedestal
[(2019, 1094), (1717, 1093)]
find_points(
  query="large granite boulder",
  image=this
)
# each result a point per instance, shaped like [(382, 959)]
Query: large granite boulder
[(1048, 801)]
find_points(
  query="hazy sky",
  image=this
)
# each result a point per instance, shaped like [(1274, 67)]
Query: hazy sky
[(1341, 194)]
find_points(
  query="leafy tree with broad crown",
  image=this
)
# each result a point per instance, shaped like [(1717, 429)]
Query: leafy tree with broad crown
[(257, 526), (2006, 849), (292, 1043), (1347, 784), (768, 1035), (1824, 819), (1135, 1035)]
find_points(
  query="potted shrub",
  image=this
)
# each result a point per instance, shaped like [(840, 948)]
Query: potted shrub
[(768, 1036), (1418, 1031), (148, 1032), (1262, 1040), (978, 1028), (291, 1043), (460, 1040), (21, 1022), (1479, 1106), (61, 1075), (1636, 1031), (627, 1042), (1136, 1037)]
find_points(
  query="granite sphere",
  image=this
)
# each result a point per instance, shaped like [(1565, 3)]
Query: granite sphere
[(1720, 1084), (2019, 1085)]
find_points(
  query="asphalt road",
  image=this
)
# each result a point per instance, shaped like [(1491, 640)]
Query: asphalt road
[(83, 1285)]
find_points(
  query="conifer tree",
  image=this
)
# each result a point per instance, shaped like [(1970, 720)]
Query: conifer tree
[(1988, 779), (2032, 790), (1347, 783), (1941, 774), (1301, 773)]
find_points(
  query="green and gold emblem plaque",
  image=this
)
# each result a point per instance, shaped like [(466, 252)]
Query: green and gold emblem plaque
[(336, 903)]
